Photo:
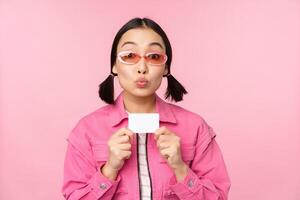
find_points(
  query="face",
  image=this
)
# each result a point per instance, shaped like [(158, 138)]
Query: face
[(140, 41)]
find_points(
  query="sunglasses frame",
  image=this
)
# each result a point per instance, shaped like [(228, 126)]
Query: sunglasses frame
[(140, 57)]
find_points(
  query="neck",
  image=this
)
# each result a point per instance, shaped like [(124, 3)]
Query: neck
[(134, 104)]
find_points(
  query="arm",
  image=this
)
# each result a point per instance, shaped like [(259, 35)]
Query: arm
[(82, 179), (207, 178)]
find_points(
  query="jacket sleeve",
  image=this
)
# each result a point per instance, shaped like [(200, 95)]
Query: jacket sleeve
[(207, 177), (82, 178)]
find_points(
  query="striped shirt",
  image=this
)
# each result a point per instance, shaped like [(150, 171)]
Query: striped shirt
[(144, 178), (143, 166)]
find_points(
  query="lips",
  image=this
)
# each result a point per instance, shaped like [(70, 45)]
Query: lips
[(141, 82)]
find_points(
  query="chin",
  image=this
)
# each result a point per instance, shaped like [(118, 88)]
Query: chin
[(145, 92)]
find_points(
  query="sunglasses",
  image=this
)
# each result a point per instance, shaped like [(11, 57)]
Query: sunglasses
[(152, 58)]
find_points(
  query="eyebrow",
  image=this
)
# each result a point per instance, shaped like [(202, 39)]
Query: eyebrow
[(151, 44)]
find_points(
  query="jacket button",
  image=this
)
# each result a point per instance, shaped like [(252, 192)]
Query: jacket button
[(190, 183), (103, 186)]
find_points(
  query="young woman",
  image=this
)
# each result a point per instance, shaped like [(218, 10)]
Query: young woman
[(106, 160)]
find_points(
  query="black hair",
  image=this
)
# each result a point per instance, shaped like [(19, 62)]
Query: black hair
[(175, 90)]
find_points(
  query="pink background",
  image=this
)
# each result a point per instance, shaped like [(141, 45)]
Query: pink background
[(239, 61)]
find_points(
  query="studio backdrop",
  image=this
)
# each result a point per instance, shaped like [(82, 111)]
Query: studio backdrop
[(238, 60)]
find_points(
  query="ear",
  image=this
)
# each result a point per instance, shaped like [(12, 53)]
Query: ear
[(166, 70), (114, 69)]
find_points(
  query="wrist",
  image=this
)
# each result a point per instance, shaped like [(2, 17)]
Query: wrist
[(108, 166), (181, 172), (109, 172)]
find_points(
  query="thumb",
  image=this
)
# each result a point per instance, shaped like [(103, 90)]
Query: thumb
[(130, 134)]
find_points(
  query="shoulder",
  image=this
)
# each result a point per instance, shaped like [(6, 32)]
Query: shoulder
[(182, 113), (89, 122), (192, 119), (96, 114)]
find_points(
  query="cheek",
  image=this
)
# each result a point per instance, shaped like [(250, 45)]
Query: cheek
[(157, 82), (125, 77), (157, 76)]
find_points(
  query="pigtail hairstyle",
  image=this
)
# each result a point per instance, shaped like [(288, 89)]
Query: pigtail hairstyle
[(175, 90), (106, 89)]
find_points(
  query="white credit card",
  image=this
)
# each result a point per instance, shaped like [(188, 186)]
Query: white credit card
[(143, 122)]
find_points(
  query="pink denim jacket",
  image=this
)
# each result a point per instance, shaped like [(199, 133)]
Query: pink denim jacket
[(87, 151)]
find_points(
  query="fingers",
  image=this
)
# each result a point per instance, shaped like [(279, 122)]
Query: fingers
[(164, 138), (161, 131), (123, 139), (165, 153), (125, 147), (126, 154), (163, 145), (124, 132)]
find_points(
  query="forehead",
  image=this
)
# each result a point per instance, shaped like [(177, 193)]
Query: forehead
[(141, 37)]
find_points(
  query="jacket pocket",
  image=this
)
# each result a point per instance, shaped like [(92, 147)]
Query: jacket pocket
[(187, 153)]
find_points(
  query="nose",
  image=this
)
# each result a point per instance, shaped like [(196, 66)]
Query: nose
[(142, 67)]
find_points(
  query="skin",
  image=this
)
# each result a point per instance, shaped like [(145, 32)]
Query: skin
[(136, 99), (141, 100)]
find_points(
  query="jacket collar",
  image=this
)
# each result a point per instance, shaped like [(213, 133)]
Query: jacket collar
[(117, 112)]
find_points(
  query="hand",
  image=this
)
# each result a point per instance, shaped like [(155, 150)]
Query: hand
[(119, 146), (168, 144)]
